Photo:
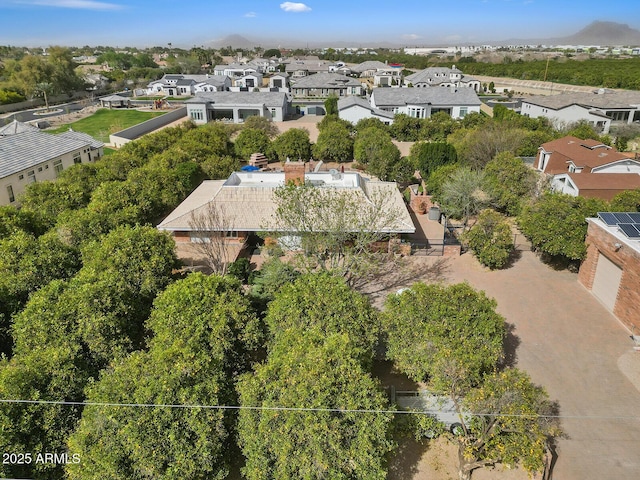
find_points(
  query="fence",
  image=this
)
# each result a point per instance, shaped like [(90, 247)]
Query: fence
[(120, 138)]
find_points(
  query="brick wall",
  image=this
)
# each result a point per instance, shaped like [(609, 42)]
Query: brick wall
[(294, 172), (601, 242)]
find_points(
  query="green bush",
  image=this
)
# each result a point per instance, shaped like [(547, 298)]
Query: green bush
[(490, 239)]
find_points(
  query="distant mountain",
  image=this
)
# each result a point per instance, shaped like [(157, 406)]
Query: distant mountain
[(236, 41), (596, 33), (605, 33)]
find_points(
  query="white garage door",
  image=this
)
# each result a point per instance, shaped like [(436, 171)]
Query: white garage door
[(606, 281)]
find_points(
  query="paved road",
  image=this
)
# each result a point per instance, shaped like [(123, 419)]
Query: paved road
[(572, 346)]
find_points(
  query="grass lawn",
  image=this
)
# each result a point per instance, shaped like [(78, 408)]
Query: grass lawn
[(104, 122)]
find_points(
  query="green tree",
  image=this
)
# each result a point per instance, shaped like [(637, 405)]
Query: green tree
[(627, 201), (371, 122), (582, 129), (515, 423), (479, 146), (428, 156), (556, 224), (509, 182), (438, 178), (463, 195), (334, 144), (331, 105), (373, 147), (405, 128), (251, 141), (490, 239), (293, 144), (311, 370), (324, 302), (448, 336), (272, 52), (273, 274), (261, 123)]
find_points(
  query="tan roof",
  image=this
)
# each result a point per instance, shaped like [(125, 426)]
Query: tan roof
[(605, 181), (608, 100), (249, 203)]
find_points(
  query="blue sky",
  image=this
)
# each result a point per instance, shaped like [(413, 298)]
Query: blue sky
[(197, 22)]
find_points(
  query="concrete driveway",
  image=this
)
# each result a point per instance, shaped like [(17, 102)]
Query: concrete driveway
[(569, 343)]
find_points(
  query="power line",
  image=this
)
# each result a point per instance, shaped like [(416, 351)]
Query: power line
[(307, 409)]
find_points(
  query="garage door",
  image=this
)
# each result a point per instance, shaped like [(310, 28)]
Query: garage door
[(606, 281)]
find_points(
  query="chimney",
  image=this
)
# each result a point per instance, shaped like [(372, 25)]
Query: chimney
[(294, 172)]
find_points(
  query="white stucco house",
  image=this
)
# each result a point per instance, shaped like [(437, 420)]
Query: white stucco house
[(235, 70), (176, 85), (29, 155), (602, 108), (441, 77), (323, 85), (424, 102), (383, 75), (237, 106), (354, 109)]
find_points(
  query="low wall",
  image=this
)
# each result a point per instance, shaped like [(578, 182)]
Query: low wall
[(118, 139)]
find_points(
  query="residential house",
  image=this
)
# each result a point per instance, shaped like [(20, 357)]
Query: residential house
[(176, 85), (587, 168), (611, 269), (354, 109), (303, 68), (602, 108), (383, 75), (235, 70), (211, 83), (323, 85), (441, 77), (247, 82), (249, 202), (237, 106), (28, 156), (279, 81), (424, 102)]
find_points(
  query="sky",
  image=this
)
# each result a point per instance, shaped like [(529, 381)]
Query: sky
[(189, 23)]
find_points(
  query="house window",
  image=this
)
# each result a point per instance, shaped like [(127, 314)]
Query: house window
[(463, 112), (57, 166), (273, 113), (76, 158), (10, 194), (31, 176), (231, 234), (39, 169), (20, 177), (197, 115)]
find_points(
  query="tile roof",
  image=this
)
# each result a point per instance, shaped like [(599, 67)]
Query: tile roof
[(82, 137), (28, 149), (390, 97), (248, 200), (606, 181), (353, 100), (436, 75), (326, 80), (369, 65), (16, 127), (269, 99), (583, 153), (607, 100)]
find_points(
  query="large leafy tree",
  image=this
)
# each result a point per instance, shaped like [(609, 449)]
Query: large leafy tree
[(373, 147), (491, 239), (293, 144), (447, 336), (429, 156), (556, 223), (509, 182), (334, 144), (627, 201), (251, 140), (326, 303), (512, 422), (311, 370), (200, 327)]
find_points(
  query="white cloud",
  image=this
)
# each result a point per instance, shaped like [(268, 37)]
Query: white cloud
[(76, 4), (294, 7), (411, 36), (250, 14)]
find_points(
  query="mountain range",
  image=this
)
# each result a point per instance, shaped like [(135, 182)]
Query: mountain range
[(596, 33)]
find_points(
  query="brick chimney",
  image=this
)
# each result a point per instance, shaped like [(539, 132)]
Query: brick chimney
[(294, 172)]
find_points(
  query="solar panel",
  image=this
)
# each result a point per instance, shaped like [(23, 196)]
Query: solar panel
[(623, 217), (630, 230), (635, 217), (608, 218)]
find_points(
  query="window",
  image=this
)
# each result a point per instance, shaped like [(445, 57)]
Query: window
[(463, 112), (273, 113), (76, 158), (39, 169), (231, 234), (31, 176), (21, 177), (57, 166), (10, 194), (197, 115)]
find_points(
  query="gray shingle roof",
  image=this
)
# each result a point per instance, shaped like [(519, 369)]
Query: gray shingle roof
[(16, 127), (436, 74), (353, 100), (269, 99), (28, 149), (369, 65), (396, 97), (610, 99), (82, 137), (326, 80)]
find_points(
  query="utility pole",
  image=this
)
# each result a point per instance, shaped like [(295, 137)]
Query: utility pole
[(546, 70)]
